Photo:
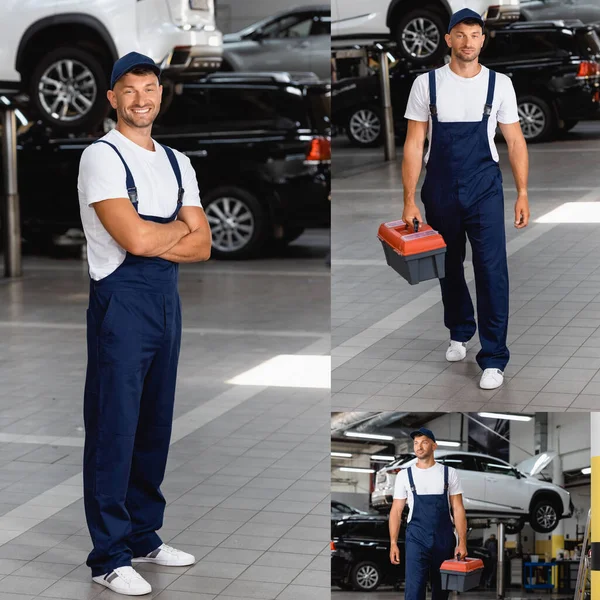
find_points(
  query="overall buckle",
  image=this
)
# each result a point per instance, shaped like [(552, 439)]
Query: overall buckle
[(433, 109), (487, 110)]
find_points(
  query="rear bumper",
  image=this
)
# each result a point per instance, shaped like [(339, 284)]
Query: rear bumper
[(188, 60), (502, 14), (580, 102)]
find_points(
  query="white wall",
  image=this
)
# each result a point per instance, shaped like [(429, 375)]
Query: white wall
[(233, 15), (574, 438), (522, 441)]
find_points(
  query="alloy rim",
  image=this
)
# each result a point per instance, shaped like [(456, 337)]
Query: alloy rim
[(533, 119), (367, 577), (547, 517), (365, 126), (231, 224), (420, 38), (67, 90)]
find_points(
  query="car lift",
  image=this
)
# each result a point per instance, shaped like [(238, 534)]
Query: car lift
[(11, 222), (363, 50)]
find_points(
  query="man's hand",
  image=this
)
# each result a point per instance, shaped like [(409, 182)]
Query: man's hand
[(412, 212), (462, 550), (522, 211), (395, 554)]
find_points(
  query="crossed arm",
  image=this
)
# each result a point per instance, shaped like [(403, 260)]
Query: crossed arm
[(187, 239)]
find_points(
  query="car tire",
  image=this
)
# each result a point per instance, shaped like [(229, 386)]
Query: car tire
[(544, 516), (426, 22), (364, 127), (513, 528), (90, 81), (538, 121), (250, 223), (365, 577)]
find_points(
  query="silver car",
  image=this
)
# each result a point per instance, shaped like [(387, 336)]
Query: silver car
[(298, 40)]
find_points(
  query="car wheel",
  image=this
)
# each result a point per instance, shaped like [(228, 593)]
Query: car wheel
[(365, 127), (365, 577), (419, 36), (544, 516), (537, 119), (238, 223), (512, 528), (68, 89)]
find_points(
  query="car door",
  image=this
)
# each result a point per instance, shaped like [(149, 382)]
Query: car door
[(473, 484), (505, 489), (283, 45), (320, 45)]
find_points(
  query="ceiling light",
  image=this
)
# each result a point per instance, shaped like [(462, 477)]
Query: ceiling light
[(356, 470), (382, 458), (446, 443), (367, 436), (587, 471), (490, 415), (341, 454)]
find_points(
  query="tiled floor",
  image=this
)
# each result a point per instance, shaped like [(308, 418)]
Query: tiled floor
[(386, 593), (248, 474), (389, 339)]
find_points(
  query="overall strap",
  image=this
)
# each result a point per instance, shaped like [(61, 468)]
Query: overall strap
[(175, 166), (413, 489), (432, 96), (131, 189), (487, 111), (445, 479)]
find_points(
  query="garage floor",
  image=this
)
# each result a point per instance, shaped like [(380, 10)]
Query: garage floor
[(385, 594), (389, 339), (248, 475)]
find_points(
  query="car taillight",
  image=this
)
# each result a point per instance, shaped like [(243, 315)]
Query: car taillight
[(588, 69), (319, 151), (332, 545), (395, 471)]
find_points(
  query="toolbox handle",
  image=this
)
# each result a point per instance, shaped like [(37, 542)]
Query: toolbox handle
[(415, 224), (458, 556)]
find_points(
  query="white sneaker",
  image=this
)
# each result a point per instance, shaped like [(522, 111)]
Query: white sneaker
[(491, 379), (126, 581), (168, 557), (456, 351)]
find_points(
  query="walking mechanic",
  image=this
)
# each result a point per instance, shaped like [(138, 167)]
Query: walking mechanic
[(430, 489), (458, 107), (141, 213)]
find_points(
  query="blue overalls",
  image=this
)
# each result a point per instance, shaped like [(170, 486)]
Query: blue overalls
[(133, 339), (429, 542), (463, 196)]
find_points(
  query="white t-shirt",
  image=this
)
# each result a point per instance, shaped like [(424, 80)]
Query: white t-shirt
[(461, 99), (427, 482), (102, 176)]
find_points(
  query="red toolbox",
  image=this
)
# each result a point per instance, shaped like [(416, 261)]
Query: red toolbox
[(416, 253), (461, 575)]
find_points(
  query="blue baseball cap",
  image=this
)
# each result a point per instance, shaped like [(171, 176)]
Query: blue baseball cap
[(128, 63), (464, 15), (423, 431)]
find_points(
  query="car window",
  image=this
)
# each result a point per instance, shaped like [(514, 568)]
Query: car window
[(321, 24), (341, 508), (292, 26), (366, 530), (460, 462), (496, 467), (526, 45)]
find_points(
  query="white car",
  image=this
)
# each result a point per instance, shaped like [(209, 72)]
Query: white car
[(417, 26), (492, 488), (61, 52)]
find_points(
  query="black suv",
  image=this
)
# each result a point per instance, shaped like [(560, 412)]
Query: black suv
[(260, 145), (555, 70), (360, 554)]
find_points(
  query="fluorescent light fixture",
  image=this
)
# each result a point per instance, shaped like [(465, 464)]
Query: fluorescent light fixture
[(5, 100), (587, 471), (356, 470), (21, 117), (573, 212), (289, 370), (450, 444), (382, 458), (391, 57), (368, 436), (341, 454), (490, 415)]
